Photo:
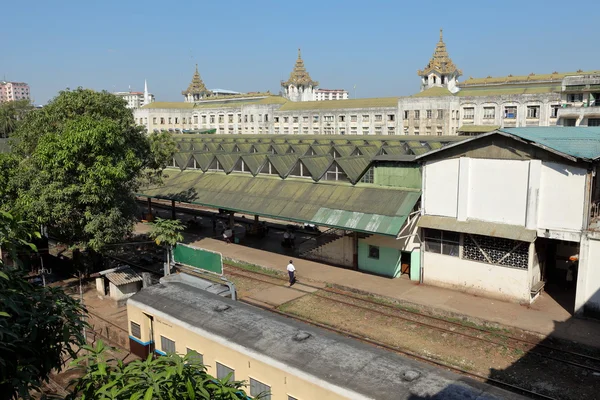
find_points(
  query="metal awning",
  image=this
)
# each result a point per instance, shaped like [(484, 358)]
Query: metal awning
[(121, 275), (368, 209), (477, 227)]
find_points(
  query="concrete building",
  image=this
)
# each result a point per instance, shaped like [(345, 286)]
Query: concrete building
[(330, 94), (137, 100), (118, 283), (510, 213), (300, 86), (443, 106), (12, 91), (280, 357)]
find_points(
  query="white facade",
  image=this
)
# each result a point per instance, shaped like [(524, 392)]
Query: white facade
[(136, 100), (534, 194), (330, 94)]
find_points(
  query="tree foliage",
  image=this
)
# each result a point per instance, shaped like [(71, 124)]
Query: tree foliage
[(11, 114), (165, 377), (81, 160), (166, 231), (38, 325)]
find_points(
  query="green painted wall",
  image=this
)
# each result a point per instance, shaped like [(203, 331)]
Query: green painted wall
[(388, 263), (408, 176), (415, 265)]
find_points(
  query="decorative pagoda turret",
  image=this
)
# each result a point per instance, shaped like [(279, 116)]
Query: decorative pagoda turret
[(440, 71), (300, 86), (196, 91)]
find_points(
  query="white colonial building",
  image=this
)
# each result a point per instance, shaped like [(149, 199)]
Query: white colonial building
[(444, 106)]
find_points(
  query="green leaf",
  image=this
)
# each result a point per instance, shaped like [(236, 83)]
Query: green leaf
[(4, 314), (148, 395)]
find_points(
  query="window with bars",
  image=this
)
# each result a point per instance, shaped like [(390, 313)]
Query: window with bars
[(489, 112), (136, 330), (442, 242), (468, 113), (259, 388), (223, 371), (429, 113), (368, 177), (167, 345), (533, 112), (499, 251)]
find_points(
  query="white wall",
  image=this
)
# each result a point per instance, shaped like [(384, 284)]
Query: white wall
[(124, 291), (562, 197), (478, 278), (498, 190), (588, 278), (441, 188), (535, 194)]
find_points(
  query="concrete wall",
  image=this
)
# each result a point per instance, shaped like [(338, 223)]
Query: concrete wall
[(245, 362), (562, 197), (338, 252), (504, 283), (124, 291), (531, 193), (587, 298)]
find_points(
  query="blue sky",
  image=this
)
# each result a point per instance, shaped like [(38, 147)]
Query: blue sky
[(252, 45)]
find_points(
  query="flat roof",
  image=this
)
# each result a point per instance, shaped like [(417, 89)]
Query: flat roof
[(477, 227), (351, 368)]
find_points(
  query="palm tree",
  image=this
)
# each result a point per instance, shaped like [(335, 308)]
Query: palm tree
[(167, 232)]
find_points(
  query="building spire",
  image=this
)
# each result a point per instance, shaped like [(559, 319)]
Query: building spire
[(196, 90), (300, 76), (440, 61)]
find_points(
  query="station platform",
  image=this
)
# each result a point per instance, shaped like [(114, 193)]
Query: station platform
[(545, 316)]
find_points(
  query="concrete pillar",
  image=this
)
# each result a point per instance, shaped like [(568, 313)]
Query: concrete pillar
[(355, 251), (149, 205), (173, 214), (256, 221), (231, 220)]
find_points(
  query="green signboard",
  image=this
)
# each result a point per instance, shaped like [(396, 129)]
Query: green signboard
[(198, 258)]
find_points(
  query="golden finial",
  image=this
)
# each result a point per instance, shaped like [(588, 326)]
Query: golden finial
[(441, 35), (196, 67), (299, 56)]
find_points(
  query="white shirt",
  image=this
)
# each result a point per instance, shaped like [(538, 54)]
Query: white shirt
[(291, 268)]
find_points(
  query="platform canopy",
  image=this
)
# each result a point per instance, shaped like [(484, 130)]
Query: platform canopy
[(365, 209)]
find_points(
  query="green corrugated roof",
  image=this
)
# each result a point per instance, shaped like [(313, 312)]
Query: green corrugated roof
[(368, 150), (245, 147), (345, 149), (227, 161), (556, 76), (185, 145), (212, 147), (434, 92), (254, 162), (281, 148), (365, 209), (579, 142), (283, 163), (203, 160), (169, 104), (354, 167), (228, 147), (321, 149), (317, 165), (435, 145), (394, 150), (262, 147), (340, 104), (478, 128), (300, 149), (182, 159), (509, 90)]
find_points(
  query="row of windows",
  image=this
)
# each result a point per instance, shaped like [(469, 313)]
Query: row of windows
[(222, 371), (485, 249), (428, 113), (378, 130), (509, 112), (331, 118), (428, 131)]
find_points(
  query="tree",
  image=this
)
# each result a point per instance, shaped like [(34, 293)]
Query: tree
[(11, 114), (167, 232), (164, 377), (81, 159), (38, 325)]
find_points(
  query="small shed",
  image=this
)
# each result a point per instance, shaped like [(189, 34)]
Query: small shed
[(119, 283)]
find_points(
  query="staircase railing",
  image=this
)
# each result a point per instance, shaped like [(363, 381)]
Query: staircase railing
[(326, 237)]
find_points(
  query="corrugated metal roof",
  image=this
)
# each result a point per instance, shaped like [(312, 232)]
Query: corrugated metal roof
[(434, 92), (228, 161), (292, 199), (579, 142), (123, 276), (254, 162), (203, 160), (354, 167), (283, 163), (477, 227), (317, 165), (182, 159)]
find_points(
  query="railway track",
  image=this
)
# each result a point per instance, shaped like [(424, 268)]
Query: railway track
[(492, 337)]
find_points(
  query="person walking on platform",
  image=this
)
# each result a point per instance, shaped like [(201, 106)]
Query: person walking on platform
[(291, 272)]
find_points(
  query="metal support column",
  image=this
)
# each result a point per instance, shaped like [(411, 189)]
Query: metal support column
[(173, 214), (355, 251)]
